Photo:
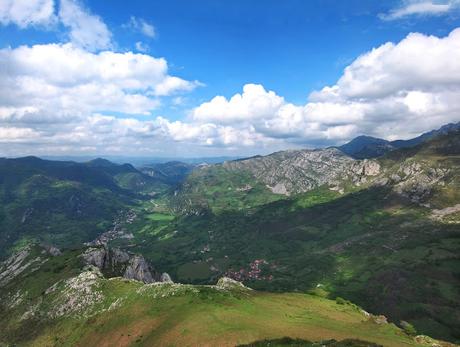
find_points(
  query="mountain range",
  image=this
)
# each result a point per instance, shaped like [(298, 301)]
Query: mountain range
[(363, 146), (327, 245)]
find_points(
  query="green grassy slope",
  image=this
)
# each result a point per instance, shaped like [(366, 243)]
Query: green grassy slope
[(218, 189), (55, 304)]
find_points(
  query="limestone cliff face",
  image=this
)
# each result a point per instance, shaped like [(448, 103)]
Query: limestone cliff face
[(295, 171), (16, 264), (283, 173), (414, 174), (116, 262), (111, 262), (298, 171), (138, 269), (26, 260), (417, 180)]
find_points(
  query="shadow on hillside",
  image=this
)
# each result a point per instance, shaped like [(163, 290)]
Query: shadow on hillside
[(287, 341), (371, 247)]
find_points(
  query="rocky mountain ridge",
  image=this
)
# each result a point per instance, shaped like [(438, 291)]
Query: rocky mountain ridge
[(298, 171), (363, 147), (263, 179), (414, 173)]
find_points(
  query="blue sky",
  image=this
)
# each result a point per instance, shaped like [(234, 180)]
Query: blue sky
[(293, 48)]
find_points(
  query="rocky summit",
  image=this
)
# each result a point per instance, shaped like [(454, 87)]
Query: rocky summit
[(116, 262)]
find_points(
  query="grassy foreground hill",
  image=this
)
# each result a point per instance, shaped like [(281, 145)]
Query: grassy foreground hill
[(51, 300)]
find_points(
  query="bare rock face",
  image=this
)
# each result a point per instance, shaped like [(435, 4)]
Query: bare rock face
[(298, 171), (26, 260), (366, 168), (380, 319), (229, 283), (439, 214), (116, 262), (295, 171), (138, 269), (96, 257), (371, 167), (361, 171), (79, 294), (51, 250), (417, 180), (118, 257), (13, 266), (166, 278), (279, 188)]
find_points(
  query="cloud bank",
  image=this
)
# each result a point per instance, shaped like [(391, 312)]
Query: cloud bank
[(393, 91), (81, 96)]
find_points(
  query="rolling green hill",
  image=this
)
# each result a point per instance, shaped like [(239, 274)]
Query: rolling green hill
[(54, 301), (64, 203)]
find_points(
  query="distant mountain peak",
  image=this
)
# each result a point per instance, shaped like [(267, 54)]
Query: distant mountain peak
[(364, 146), (100, 162)]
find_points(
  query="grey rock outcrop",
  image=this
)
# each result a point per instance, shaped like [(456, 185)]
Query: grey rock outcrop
[(439, 214), (418, 180), (116, 262), (96, 257), (229, 283), (166, 278), (380, 319), (18, 263), (52, 250), (138, 269), (13, 266), (118, 257), (362, 171)]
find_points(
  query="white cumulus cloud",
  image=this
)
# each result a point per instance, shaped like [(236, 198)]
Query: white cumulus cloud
[(86, 30), (421, 8), (52, 98), (393, 91), (82, 28), (64, 81), (24, 13), (254, 102), (142, 26)]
